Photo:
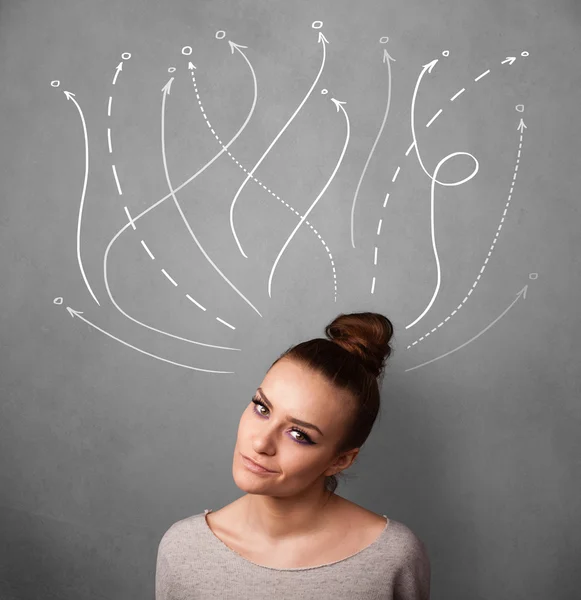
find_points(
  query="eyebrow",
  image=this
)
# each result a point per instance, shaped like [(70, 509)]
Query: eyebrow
[(291, 419)]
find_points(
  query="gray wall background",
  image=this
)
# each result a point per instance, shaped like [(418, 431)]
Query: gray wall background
[(103, 447)]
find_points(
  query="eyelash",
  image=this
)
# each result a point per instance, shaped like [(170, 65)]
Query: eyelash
[(308, 440)]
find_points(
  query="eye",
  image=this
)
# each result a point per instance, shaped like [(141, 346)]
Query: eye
[(307, 440)]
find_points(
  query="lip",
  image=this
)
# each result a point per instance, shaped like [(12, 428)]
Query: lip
[(254, 467)]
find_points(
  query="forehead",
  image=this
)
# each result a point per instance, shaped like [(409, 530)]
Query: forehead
[(297, 391)]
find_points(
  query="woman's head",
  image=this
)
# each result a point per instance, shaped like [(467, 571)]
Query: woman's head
[(331, 383)]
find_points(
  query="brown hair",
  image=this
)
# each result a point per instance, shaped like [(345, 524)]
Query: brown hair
[(353, 359)]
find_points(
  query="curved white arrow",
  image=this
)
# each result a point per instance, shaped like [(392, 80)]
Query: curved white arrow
[(521, 127), (76, 313), (522, 293), (428, 68), (434, 180), (323, 40), (338, 104), (71, 96), (166, 91), (142, 214), (386, 59)]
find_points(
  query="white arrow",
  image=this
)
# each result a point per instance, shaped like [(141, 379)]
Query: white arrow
[(387, 60), (521, 126), (427, 68), (119, 68), (509, 59), (234, 45), (177, 204), (522, 293), (167, 87), (338, 104), (322, 39), (71, 96), (76, 313)]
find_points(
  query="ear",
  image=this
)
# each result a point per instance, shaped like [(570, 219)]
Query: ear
[(343, 461)]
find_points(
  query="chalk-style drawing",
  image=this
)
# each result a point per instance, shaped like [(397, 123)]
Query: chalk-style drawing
[(434, 118), (76, 313), (520, 128), (339, 105), (482, 75), (169, 277), (195, 302), (433, 231), (166, 91), (147, 250), (224, 323), (71, 96), (117, 180), (117, 71), (521, 294), (265, 187), (155, 205), (322, 40), (457, 94), (129, 218), (428, 68), (386, 60)]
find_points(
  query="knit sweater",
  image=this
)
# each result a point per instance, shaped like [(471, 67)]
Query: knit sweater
[(194, 564)]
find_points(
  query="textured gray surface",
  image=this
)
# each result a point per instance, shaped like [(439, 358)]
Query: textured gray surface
[(102, 447)]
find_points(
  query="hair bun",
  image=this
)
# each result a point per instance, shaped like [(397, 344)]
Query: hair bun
[(366, 335)]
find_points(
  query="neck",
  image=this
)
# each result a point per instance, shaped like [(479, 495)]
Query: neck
[(274, 520)]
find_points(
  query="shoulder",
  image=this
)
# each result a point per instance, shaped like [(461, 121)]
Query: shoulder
[(406, 541), (180, 534), (413, 568)]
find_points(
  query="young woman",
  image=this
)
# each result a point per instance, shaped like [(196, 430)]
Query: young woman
[(290, 536)]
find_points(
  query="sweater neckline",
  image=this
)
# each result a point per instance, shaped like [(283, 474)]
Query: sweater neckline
[(366, 549)]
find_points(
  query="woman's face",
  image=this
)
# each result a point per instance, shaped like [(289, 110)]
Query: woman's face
[(300, 455)]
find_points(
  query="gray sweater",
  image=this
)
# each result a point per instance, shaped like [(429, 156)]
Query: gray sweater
[(193, 563)]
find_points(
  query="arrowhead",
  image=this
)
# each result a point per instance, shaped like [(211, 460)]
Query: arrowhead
[(521, 126), (430, 65), (322, 37), (167, 87), (337, 103), (386, 56), (191, 66), (69, 95), (73, 312), (523, 292), (120, 66), (237, 46), (509, 59)]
